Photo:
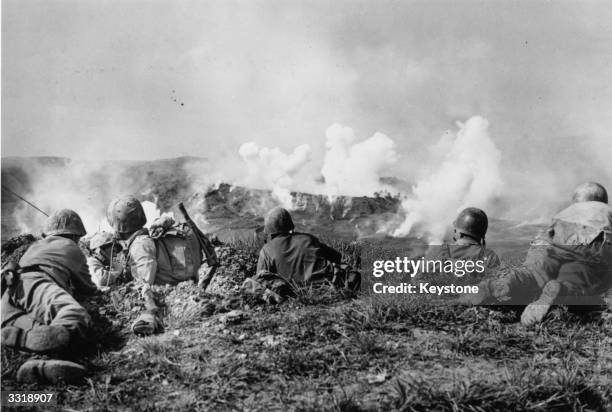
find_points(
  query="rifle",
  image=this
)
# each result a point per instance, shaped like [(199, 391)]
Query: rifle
[(205, 245)]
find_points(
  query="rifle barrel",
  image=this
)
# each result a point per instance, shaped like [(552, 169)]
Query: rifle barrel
[(29, 203)]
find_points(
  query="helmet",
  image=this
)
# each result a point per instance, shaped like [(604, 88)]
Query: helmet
[(590, 192), (100, 239), (64, 222), (126, 215), (472, 222), (278, 220)]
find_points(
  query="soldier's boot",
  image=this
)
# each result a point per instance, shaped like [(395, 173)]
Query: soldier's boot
[(536, 311), (40, 339), (147, 323), (51, 371), (272, 298)]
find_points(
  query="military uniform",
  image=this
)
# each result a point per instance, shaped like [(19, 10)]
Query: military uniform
[(575, 251), (290, 258), (299, 257), (106, 261), (150, 264), (464, 249), (53, 271), (39, 311), (166, 256)]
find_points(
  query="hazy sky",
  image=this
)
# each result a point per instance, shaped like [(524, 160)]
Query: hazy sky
[(99, 79)]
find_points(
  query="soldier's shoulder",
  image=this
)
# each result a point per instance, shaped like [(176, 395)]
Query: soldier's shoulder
[(142, 242), (53, 250), (307, 239), (302, 234), (585, 211), (440, 251), (56, 243)]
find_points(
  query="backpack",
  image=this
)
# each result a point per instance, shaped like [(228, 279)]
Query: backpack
[(179, 255)]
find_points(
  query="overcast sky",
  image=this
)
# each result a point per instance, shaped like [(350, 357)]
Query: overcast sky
[(156, 79)]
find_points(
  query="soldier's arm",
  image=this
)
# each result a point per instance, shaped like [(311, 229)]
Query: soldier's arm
[(265, 263), (100, 274), (329, 253), (143, 263), (82, 281)]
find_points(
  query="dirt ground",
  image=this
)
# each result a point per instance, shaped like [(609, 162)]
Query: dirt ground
[(327, 352)]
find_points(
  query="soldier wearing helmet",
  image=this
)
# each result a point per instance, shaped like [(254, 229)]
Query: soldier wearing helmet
[(290, 257), (152, 259), (106, 261), (570, 262), (470, 228), (127, 218), (39, 310)]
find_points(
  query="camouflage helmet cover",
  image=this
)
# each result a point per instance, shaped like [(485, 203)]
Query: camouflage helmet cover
[(126, 215), (472, 222), (590, 192), (278, 220), (64, 222)]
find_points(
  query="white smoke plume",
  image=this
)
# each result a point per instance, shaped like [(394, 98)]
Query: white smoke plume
[(354, 168), (274, 169), (349, 167), (59, 186), (469, 175), (87, 187)]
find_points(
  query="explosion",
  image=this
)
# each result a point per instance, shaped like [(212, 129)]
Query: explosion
[(354, 169), (468, 175), (274, 169), (464, 170)]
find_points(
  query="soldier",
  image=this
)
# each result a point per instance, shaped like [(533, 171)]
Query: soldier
[(470, 228), (159, 261), (39, 311), (105, 260), (569, 263), (292, 258)]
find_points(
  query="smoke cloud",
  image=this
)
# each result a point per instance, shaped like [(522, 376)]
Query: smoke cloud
[(88, 187), (274, 169), (348, 167), (463, 169), (81, 186), (354, 168), (469, 175)]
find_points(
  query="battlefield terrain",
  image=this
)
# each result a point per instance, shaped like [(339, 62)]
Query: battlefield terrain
[(323, 351)]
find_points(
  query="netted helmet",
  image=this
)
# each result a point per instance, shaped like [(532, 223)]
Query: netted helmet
[(64, 222), (278, 220), (590, 192), (126, 215), (472, 222)]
